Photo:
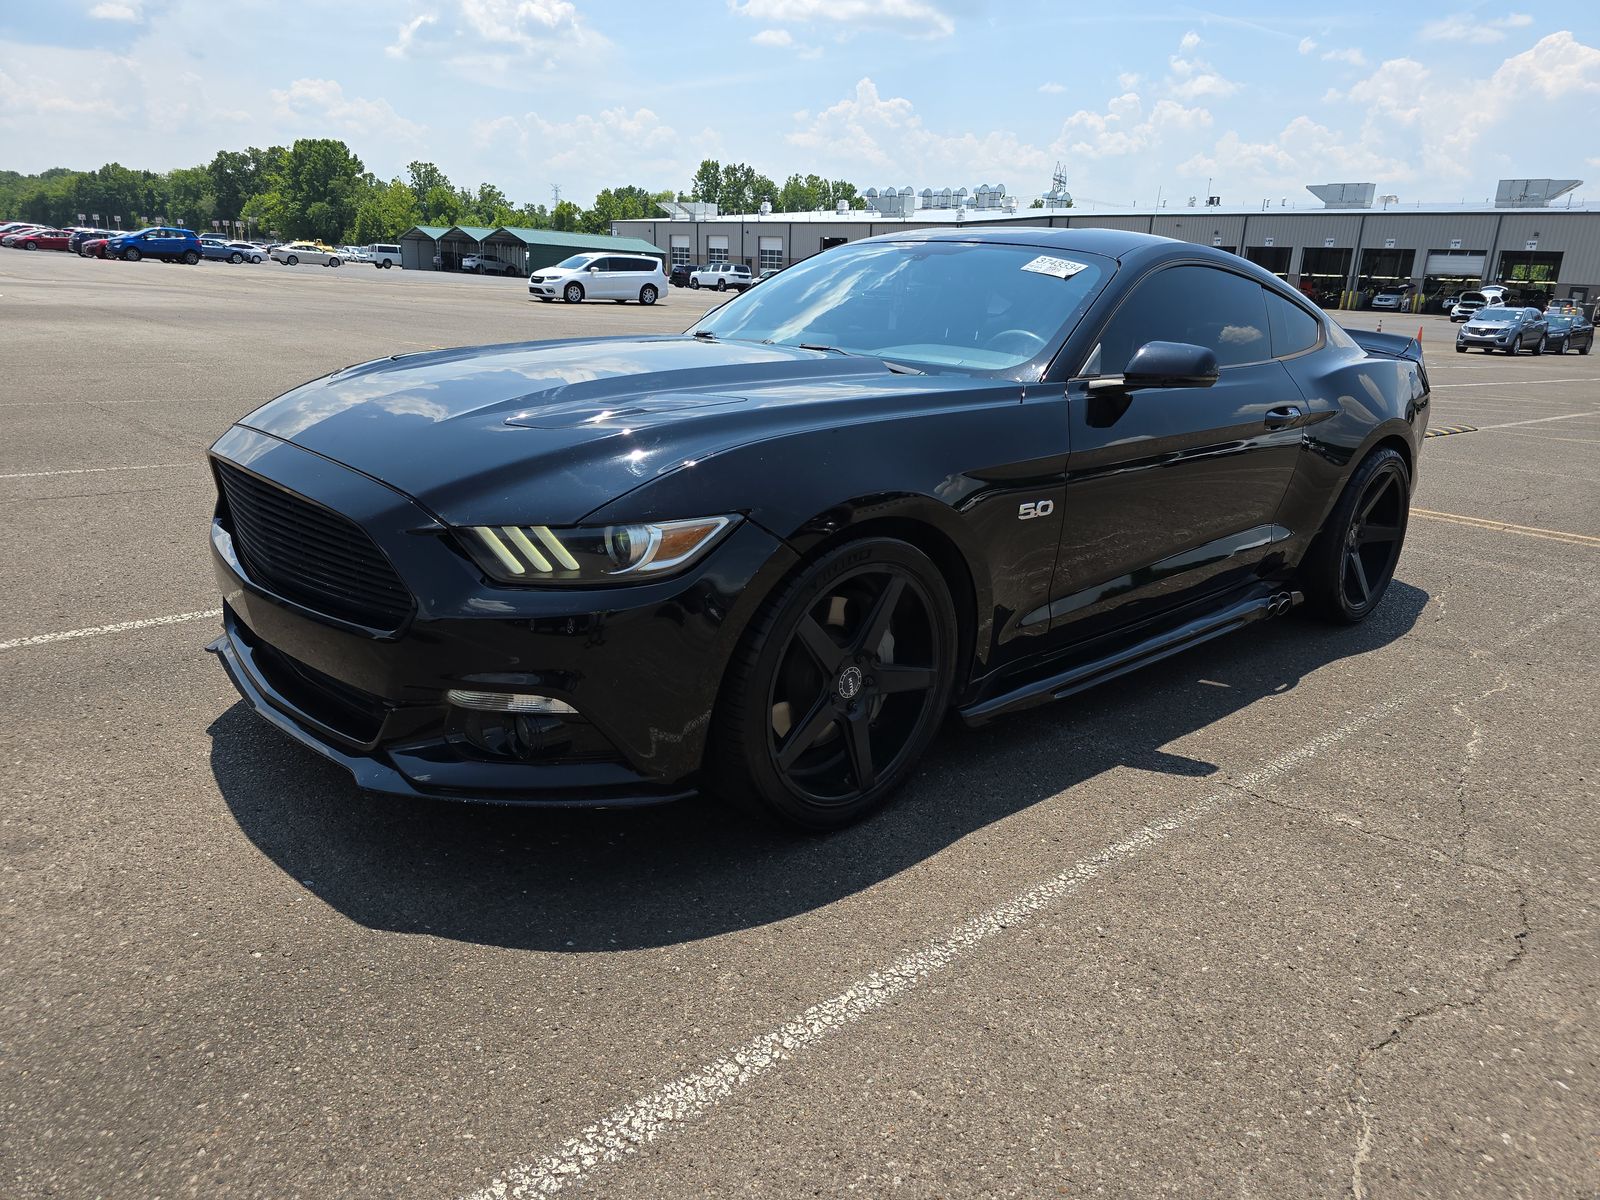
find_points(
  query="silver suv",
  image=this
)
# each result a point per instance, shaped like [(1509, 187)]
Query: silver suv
[(596, 276)]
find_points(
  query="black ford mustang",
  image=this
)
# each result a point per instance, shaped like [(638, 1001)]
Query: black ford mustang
[(974, 469)]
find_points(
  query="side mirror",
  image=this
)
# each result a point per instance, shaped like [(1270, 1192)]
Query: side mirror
[(1163, 365), (594, 270)]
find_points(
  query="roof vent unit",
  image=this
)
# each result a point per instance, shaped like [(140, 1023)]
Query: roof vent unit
[(766, 208), (1532, 193), (987, 197), (1344, 195), (688, 210), (843, 206)]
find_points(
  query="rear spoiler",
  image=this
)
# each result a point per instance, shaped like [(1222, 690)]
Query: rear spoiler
[(1387, 345)]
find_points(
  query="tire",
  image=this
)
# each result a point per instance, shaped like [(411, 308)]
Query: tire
[(1561, 347), (292, 260), (573, 293), (1461, 349), (695, 284), (510, 271), (722, 285), (1586, 346), (190, 257), (1539, 346), (826, 642), (333, 262), (236, 258), (648, 294), (131, 255), (1335, 586), (30, 245)]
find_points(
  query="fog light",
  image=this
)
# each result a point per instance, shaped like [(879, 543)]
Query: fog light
[(510, 702)]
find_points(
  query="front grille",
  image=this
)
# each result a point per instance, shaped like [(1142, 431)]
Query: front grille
[(310, 554)]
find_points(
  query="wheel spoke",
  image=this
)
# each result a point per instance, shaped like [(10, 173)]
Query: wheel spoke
[(893, 678), (829, 655), (1372, 501), (808, 731), (1379, 533), (858, 739), (877, 623), (1361, 576)]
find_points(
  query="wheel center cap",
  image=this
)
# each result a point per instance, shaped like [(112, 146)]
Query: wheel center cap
[(849, 683)]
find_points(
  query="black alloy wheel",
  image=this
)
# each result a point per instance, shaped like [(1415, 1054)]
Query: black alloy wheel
[(1348, 570), (839, 688)]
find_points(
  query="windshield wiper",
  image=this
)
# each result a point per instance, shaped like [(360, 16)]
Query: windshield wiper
[(897, 368), (705, 335)]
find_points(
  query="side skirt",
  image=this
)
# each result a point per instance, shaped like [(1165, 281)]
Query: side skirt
[(1152, 649)]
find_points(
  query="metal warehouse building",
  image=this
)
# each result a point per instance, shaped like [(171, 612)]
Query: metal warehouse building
[(525, 249), (1340, 254)]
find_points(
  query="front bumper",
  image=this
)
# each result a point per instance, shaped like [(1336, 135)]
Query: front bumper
[(641, 664), (1492, 340)]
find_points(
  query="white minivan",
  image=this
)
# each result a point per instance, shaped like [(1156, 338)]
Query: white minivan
[(600, 276)]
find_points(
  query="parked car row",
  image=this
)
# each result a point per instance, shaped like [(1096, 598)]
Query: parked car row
[(171, 244), (1511, 330)]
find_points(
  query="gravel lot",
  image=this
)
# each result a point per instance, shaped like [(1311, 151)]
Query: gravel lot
[(1306, 912)]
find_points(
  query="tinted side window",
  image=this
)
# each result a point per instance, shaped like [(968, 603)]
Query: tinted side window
[(1224, 312), (642, 264), (1293, 328)]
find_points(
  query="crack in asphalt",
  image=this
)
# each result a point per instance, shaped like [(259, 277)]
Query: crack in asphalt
[(1359, 1105)]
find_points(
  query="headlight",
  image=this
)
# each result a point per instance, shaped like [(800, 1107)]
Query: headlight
[(538, 555)]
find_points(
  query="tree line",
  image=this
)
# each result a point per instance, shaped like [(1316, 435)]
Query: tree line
[(318, 189)]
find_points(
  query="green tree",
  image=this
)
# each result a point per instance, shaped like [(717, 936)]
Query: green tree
[(566, 217), (385, 212), (424, 177), (627, 203), (315, 193), (189, 198)]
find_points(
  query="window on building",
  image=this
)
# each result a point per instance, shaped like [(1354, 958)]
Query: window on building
[(680, 250), (770, 254), (716, 251)]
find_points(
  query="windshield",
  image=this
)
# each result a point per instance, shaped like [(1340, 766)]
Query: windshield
[(573, 263), (974, 306), (1497, 314)]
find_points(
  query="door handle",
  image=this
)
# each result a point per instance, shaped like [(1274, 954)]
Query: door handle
[(1282, 416)]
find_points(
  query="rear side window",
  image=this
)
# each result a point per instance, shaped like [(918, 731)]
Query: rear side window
[(1294, 330), (1202, 306)]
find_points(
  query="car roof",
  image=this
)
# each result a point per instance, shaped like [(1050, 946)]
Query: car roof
[(1109, 243)]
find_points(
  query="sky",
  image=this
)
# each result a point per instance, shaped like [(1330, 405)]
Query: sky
[(1432, 102)]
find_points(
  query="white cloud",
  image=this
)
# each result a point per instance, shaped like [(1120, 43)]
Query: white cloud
[(1052, 89), (773, 37), (482, 39), (1189, 41), (914, 18), (621, 145), (323, 101), (1124, 128), (1192, 78), (1351, 56), (884, 133), (1555, 66), (1128, 80), (1307, 45), (113, 10), (1464, 27)]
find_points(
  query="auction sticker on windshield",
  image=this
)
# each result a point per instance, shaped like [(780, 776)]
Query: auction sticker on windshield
[(1063, 268)]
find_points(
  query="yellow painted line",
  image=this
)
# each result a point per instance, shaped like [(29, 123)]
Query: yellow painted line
[(1554, 535)]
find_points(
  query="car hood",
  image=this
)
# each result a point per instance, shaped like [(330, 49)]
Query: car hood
[(551, 431)]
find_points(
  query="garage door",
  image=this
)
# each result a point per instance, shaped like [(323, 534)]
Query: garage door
[(1465, 266), (717, 248), (771, 251)]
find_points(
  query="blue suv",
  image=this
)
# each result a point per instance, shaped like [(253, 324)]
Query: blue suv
[(158, 241)]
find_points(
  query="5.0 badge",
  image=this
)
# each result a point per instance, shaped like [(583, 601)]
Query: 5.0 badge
[(1035, 508)]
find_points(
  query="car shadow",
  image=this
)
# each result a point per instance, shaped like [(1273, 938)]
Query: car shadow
[(604, 880)]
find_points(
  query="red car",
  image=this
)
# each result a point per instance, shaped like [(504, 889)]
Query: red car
[(43, 239), (94, 248)]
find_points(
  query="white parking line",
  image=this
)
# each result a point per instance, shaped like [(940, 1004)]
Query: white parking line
[(632, 1127), (98, 470), (40, 639), (1539, 420), (1511, 384)]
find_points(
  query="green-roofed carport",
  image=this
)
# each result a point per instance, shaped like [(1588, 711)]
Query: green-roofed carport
[(526, 249), (536, 248), (419, 244)]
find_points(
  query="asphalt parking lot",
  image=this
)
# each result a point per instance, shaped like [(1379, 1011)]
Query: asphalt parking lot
[(1306, 912)]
